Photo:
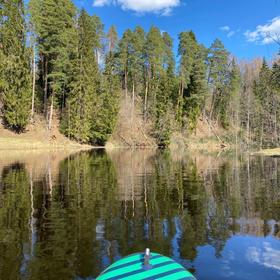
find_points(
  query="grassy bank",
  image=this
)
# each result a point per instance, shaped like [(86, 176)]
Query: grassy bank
[(269, 152), (10, 143), (38, 137)]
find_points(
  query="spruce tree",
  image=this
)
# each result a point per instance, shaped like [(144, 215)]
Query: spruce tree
[(234, 94), (84, 87), (192, 80), (263, 93), (154, 53), (105, 116), (15, 78), (54, 25), (124, 57), (164, 105), (197, 89), (218, 80)]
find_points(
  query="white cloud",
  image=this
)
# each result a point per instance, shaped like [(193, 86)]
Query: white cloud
[(265, 34), (163, 7), (225, 28), (228, 30), (101, 3), (231, 33), (266, 256)]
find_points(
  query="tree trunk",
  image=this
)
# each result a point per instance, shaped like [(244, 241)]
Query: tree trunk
[(33, 85), (146, 100), (212, 105), (275, 120), (97, 56), (125, 86), (51, 113), (248, 120), (262, 135), (133, 101), (46, 85)]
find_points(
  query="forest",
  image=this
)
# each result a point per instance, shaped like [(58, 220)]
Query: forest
[(57, 61)]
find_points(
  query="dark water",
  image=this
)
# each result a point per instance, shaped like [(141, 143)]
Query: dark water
[(69, 219)]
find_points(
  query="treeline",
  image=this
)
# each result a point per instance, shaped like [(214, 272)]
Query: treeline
[(57, 60)]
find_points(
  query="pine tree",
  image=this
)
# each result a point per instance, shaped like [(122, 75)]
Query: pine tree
[(218, 79), (234, 89), (136, 62), (186, 52), (164, 105), (275, 76), (15, 78), (123, 58), (84, 86), (262, 90), (192, 80), (54, 25), (112, 39), (99, 35), (197, 89), (105, 117), (275, 85)]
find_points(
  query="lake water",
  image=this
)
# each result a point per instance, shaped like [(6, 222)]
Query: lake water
[(70, 216)]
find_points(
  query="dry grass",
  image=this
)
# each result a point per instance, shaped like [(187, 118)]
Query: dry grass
[(203, 139), (131, 130), (269, 152), (37, 136), (30, 144)]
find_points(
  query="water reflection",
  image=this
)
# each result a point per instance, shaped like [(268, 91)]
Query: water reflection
[(70, 216)]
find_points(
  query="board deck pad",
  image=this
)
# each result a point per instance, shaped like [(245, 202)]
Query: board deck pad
[(132, 267)]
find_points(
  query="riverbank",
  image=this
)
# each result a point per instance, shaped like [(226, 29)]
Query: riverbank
[(38, 137), (31, 144), (206, 138), (269, 152)]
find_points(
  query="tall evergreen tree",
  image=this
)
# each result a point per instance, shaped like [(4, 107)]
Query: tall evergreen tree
[(15, 78), (154, 53), (123, 58), (105, 116), (263, 94), (234, 87), (192, 80), (54, 25), (165, 97), (85, 84), (112, 39), (218, 79), (197, 89)]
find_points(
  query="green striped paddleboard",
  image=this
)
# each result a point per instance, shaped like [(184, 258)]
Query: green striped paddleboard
[(146, 266)]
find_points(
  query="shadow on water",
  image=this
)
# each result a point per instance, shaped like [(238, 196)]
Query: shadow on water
[(70, 216)]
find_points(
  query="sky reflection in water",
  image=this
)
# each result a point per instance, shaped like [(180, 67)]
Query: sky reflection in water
[(70, 216)]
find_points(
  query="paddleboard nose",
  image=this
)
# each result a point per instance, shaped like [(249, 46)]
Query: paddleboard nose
[(147, 257)]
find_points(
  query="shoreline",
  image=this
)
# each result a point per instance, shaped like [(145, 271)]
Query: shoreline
[(13, 143), (269, 152)]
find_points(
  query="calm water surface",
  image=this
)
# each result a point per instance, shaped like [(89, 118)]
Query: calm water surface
[(69, 217)]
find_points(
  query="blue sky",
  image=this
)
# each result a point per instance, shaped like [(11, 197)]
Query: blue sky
[(242, 25)]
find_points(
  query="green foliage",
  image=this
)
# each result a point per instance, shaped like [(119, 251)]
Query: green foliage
[(266, 91), (163, 113), (192, 75), (16, 89), (55, 28), (15, 78), (81, 73), (83, 92), (104, 118), (219, 80)]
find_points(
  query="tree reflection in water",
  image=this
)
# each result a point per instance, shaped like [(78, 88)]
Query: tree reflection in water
[(70, 219)]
